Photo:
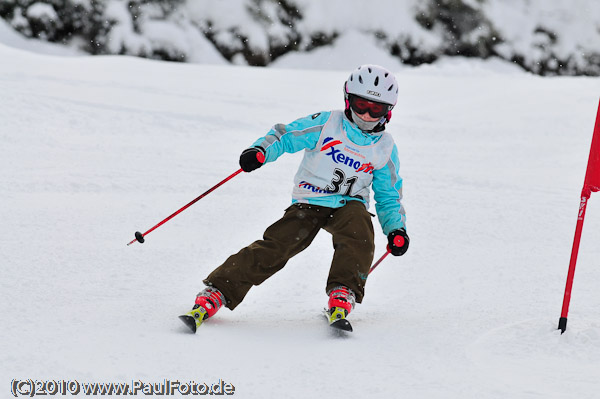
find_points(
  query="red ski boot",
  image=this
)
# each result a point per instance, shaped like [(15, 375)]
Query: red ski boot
[(341, 303), (208, 302)]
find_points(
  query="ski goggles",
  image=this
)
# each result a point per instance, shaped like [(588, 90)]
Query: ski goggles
[(361, 106)]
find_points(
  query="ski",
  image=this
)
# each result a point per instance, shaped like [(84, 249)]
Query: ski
[(337, 320)]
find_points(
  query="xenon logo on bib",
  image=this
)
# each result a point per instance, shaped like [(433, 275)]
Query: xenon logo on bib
[(339, 157)]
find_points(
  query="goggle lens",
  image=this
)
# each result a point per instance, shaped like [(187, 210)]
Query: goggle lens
[(362, 106)]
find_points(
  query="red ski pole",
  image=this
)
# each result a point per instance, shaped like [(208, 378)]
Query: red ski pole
[(139, 237), (398, 241)]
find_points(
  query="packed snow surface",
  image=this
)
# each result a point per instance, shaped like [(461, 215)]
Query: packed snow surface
[(493, 161)]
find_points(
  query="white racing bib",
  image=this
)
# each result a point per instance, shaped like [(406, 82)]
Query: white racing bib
[(337, 166)]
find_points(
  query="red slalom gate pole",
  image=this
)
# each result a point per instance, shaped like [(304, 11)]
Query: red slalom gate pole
[(398, 241), (562, 323), (591, 183)]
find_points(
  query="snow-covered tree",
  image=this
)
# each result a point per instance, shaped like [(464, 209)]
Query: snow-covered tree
[(547, 38)]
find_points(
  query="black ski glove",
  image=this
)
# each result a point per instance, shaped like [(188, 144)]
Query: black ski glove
[(252, 158), (398, 242)]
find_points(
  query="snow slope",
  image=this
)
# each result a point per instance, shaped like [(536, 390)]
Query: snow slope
[(93, 149)]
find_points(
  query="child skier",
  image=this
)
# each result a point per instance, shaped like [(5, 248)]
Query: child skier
[(345, 152)]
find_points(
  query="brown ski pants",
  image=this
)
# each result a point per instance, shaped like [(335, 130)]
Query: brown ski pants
[(353, 242)]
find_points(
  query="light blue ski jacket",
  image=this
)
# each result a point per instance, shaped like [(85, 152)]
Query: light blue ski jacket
[(316, 134)]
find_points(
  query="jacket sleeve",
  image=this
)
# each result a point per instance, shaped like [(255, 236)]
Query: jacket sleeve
[(387, 189), (301, 134)]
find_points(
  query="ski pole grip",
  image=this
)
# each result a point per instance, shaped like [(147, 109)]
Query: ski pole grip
[(260, 157), (399, 241)]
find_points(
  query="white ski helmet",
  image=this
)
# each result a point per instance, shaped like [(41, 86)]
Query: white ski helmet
[(374, 89), (373, 83)]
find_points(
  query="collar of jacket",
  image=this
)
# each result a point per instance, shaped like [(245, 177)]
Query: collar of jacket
[(357, 136)]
